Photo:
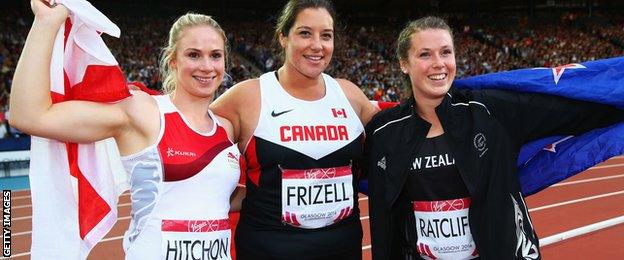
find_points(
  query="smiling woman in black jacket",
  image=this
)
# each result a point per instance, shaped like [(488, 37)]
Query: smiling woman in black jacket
[(442, 165)]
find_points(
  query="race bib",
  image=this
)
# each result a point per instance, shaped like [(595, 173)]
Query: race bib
[(316, 198), (443, 229), (196, 239)]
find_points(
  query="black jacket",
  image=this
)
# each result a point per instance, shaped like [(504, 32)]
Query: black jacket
[(484, 130)]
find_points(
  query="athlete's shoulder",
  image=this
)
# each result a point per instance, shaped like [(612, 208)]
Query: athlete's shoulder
[(348, 87), (237, 95), (139, 103), (394, 114), (358, 100), (245, 87)]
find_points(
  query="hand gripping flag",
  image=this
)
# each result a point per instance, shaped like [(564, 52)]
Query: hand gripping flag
[(544, 162), (75, 187)]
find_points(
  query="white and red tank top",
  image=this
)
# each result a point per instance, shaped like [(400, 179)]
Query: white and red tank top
[(180, 191)]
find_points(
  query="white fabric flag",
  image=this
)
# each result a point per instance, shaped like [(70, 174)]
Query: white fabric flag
[(75, 187)]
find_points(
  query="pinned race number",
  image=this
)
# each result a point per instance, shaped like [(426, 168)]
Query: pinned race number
[(316, 198), (196, 239), (443, 229)]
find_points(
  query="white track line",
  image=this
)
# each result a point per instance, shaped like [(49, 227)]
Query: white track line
[(21, 233), (587, 180), (21, 197), (111, 239), (18, 255), (581, 231), (576, 201), (606, 166)]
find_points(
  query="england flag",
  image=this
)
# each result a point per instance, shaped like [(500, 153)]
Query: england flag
[(75, 187)]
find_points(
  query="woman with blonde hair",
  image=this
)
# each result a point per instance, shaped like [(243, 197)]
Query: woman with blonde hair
[(182, 164)]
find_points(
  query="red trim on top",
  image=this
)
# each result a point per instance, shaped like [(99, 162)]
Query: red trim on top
[(185, 152), (252, 167), (242, 164), (319, 173), (441, 205), (195, 225), (56, 97), (177, 172)]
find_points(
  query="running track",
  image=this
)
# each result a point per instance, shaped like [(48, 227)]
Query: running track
[(593, 196)]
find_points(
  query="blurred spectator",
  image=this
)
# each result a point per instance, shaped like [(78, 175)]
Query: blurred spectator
[(364, 53)]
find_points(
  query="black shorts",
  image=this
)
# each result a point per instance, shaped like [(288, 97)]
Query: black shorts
[(342, 241)]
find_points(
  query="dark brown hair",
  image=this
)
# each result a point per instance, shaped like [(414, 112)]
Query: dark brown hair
[(289, 13), (404, 40), (425, 23)]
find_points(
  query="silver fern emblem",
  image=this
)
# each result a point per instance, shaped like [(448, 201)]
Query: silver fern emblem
[(525, 248)]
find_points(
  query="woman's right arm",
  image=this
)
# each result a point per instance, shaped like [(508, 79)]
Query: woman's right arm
[(31, 106), (530, 116)]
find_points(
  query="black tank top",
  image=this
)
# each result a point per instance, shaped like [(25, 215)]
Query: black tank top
[(440, 203)]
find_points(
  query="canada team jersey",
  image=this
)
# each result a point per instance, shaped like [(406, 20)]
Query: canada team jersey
[(180, 191), (300, 174)]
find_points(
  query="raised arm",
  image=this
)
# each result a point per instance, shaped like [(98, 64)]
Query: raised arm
[(529, 116), (31, 107)]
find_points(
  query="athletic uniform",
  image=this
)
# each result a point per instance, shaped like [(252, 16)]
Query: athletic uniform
[(181, 187), (440, 202), (301, 189), (477, 198)]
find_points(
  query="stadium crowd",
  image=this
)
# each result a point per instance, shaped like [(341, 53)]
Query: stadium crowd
[(364, 53)]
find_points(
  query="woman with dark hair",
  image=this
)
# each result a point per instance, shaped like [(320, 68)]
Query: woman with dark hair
[(442, 166), (301, 132)]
